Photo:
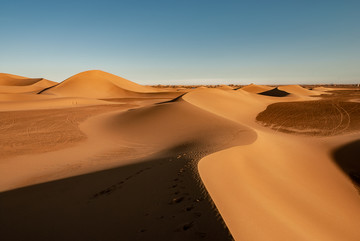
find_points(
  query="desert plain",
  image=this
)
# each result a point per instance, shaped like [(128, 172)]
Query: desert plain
[(99, 157)]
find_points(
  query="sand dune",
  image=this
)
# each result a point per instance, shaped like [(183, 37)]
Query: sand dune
[(297, 90), (18, 84), (148, 130), (252, 88), (98, 84), (288, 189), (96, 151), (229, 195), (239, 106), (175, 123), (233, 192), (15, 80), (179, 133), (321, 88), (225, 87)]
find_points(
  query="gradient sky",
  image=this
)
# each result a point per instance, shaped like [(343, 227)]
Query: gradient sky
[(184, 41)]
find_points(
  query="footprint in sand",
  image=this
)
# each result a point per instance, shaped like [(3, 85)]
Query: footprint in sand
[(176, 200)]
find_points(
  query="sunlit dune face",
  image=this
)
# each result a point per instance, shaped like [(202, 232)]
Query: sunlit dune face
[(322, 118)]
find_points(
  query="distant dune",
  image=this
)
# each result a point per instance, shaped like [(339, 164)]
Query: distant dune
[(174, 123), (321, 88), (18, 84), (297, 90), (225, 87), (15, 80), (256, 88), (97, 84)]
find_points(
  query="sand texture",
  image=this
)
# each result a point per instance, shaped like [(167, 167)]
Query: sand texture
[(98, 157)]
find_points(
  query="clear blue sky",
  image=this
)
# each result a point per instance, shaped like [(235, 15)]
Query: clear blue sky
[(184, 41)]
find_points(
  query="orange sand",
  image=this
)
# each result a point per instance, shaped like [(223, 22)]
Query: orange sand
[(267, 185)]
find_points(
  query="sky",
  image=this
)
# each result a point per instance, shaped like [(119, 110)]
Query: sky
[(184, 41)]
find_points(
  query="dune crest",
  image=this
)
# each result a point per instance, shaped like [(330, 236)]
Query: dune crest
[(98, 84), (18, 84), (16, 80), (252, 88), (285, 187), (297, 90), (225, 87), (229, 104), (176, 122)]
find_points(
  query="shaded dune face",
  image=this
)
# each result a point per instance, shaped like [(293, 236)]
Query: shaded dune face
[(347, 158), (157, 199), (275, 92), (322, 118)]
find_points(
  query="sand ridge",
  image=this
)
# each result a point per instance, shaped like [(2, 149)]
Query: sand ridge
[(298, 90), (15, 80), (97, 84), (18, 84), (253, 88), (264, 186)]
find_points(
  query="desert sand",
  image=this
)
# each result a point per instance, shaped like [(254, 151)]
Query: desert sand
[(252, 88), (99, 157)]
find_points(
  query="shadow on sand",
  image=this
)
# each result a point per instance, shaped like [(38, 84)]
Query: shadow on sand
[(275, 93), (347, 158), (160, 198)]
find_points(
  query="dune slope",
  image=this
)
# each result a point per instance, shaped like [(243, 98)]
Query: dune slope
[(159, 198), (173, 123), (97, 84), (297, 90), (288, 189), (252, 88), (15, 80), (18, 84), (278, 183)]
